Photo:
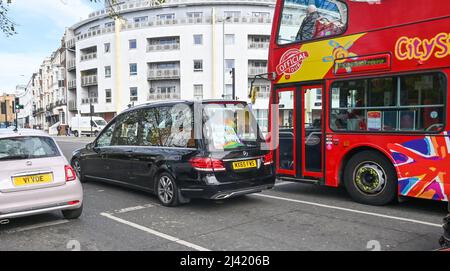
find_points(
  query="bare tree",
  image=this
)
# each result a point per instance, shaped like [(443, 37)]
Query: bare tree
[(7, 26)]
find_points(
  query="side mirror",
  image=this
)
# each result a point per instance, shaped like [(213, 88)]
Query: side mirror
[(90, 146)]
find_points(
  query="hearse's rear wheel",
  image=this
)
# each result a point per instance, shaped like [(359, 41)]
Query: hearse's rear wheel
[(167, 190), (370, 178)]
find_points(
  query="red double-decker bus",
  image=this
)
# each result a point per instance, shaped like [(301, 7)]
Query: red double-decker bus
[(360, 94)]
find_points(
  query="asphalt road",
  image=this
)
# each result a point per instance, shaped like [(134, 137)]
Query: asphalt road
[(290, 217)]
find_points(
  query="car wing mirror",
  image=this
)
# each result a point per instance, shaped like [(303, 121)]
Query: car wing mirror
[(91, 146)]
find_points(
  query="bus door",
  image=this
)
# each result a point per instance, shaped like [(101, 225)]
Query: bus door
[(286, 154), (312, 133)]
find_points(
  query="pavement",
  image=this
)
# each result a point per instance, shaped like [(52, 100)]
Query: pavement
[(292, 216)]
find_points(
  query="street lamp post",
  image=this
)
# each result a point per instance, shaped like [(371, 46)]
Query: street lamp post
[(223, 52)]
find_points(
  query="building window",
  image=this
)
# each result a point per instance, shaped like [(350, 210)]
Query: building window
[(229, 39), (319, 95), (229, 64), (228, 94), (109, 24), (94, 28), (198, 92), (261, 14), (133, 69), (412, 103), (108, 96), (169, 16), (198, 65), (132, 44), (107, 71), (194, 15), (232, 14), (142, 19), (198, 39), (107, 48), (133, 94), (62, 117)]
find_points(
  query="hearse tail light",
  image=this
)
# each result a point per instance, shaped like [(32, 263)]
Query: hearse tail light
[(207, 164), (70, 174)]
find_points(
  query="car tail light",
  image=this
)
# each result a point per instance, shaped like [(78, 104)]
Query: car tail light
[(268, 159), (207, 164), (70, 174)]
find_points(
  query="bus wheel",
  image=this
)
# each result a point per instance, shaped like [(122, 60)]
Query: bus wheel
[(370, 178)]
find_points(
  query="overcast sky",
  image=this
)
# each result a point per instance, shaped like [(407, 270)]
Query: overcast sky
[(41, 25)]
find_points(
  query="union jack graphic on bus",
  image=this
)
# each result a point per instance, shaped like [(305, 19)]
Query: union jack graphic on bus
[(422, 166)]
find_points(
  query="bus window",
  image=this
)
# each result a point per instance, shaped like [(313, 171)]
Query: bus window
[(412, 103), (302, 21)]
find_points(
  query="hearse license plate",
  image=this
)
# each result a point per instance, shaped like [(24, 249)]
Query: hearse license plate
[(33, 179), (244, 164)]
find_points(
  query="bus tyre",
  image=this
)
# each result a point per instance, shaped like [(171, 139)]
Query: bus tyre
[(370, 178), (76, 134)]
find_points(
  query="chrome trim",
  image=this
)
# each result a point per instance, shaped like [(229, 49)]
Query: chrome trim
[(37, 211), (250, 190), (243, 159)]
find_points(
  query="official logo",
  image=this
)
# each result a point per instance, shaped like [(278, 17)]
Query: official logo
[(291, 62), (245, 154)]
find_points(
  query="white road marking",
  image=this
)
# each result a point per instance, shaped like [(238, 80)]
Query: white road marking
[(159, 234), (132, 209), (38, 226), (351, 210)]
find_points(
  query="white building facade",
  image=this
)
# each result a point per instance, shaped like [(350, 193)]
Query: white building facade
[(172, 49), (49, 90)]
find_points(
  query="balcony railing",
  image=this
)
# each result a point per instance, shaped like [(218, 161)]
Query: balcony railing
[(180, 21), (89, 56), (60, 102), (73, 106), (71, 65), (72, 84), (163, 74), (89, 80), (163, 47), (139, 4), (258, 45), (252, 71), (70, 43), (163, 96), (93, 100)]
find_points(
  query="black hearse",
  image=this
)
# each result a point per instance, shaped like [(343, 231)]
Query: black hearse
[(181, 150)]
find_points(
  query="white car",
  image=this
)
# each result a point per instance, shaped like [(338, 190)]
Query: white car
[(35, 177)]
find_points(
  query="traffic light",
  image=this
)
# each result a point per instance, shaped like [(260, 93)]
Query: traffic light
[(17, 105)]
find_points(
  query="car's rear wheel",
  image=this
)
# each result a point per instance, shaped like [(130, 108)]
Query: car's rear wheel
[(76, 165), (76, 133), (73, 214), (370, 178), (167, 190)]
